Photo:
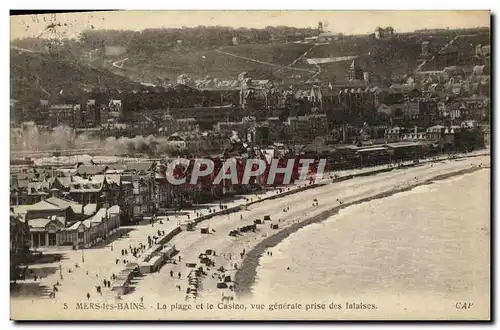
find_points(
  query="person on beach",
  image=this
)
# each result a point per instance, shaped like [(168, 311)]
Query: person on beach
[(179, 274), (88, 295)]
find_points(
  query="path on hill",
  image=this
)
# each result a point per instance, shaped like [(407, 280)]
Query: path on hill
[(317, 72), (261, 62), (289, 66), (419, 68), (119, 64), (24, 50)]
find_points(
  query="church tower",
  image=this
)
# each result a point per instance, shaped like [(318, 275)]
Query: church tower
[(355, 72)]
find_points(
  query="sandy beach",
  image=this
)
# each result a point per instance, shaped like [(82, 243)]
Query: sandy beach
[(289, 213)]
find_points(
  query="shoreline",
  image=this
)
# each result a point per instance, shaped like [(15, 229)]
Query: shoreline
[(245, 276), (158, 286)]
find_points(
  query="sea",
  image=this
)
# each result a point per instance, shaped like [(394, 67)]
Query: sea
[(431, 241)]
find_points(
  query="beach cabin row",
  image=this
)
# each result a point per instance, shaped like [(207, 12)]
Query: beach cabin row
[(153, 263)]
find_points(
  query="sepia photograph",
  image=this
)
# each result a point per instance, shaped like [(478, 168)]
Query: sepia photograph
[(250, 165)]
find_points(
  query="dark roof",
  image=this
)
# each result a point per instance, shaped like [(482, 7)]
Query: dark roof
[(319, 148), (117, 167), (91, 169), (141, 166)]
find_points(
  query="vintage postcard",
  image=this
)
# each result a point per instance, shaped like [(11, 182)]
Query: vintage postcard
[(250, 165)]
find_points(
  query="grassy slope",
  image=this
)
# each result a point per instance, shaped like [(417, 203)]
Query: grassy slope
[(30, 71), (397, 56), (200, 63)]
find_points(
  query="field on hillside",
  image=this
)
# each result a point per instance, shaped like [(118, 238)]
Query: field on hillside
[(280, 54), (197, 64), (225, 63), (397, 56), (467, 43), (382, 58), (38, 75)]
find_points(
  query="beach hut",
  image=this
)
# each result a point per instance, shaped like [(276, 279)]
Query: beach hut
[(205, 230), (247, 228), (121, 286), (227, 278), (258, 221), (190, 264), (205, 261), (267, 217), (221, 285), (209, 252), (274, 226), (132, 268), (145, 268)]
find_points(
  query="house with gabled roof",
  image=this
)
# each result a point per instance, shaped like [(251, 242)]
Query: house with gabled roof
[(86, 170)]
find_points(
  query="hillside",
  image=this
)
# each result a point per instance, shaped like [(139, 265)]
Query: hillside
[(159, 56), (36, 75), (223, 63), (283, 60)]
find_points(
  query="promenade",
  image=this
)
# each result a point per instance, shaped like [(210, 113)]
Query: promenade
[(97, 264)]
